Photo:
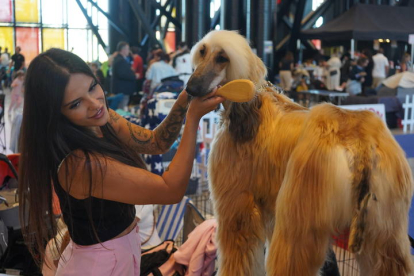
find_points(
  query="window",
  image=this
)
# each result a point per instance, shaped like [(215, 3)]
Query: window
[(43, 24)]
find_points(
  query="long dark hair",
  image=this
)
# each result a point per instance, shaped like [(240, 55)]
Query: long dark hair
[(47, 137)]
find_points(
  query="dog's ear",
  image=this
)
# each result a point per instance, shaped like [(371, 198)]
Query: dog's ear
[(258, 70), (245, 120)]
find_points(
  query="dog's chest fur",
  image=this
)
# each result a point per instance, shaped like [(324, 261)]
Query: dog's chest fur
[(257, 166)]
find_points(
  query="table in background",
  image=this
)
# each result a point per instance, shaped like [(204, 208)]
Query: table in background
[(334, 97)]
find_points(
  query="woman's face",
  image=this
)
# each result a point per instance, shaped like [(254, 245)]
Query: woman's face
[(84, 102)]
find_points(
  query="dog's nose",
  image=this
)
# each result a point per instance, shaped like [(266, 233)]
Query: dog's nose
[(190, 90)]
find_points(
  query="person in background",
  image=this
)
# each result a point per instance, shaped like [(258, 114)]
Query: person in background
[(138, 67), (381, 68), (152, 52), (320, 72), (4, 59), (97, 72), (73, 144), (155, 56), (368, 69), (286, 66), (6, 51), (303, 86), (405, 64), (357, 77), (334, 72), (16, 93), (160, 70), (17, 61), (182, 62), (123, 78)]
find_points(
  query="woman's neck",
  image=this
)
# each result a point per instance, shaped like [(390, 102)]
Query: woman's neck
[(97, 131)]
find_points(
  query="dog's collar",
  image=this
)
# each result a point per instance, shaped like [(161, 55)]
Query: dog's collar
[(264, 87)]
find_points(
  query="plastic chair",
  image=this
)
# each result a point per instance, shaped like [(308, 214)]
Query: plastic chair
[(170, 220)]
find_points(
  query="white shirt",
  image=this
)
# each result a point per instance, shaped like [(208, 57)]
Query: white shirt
[(380, 62), (334, 63), (319, 73), (158, 71), (147, 230), (5, 59), (183, 64)]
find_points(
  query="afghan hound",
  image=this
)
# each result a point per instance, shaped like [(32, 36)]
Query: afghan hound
[(330, 169)]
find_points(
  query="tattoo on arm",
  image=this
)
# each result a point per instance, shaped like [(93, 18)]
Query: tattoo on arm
[(114, 116), (140, 135), (167, 132)]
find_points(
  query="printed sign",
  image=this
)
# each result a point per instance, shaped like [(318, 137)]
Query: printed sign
[(378, 109)]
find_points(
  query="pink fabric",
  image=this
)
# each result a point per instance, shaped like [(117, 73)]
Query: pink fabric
[(199, 251), (16, 94), (121, 256)]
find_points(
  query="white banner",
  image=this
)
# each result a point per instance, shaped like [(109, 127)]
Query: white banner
[(378, 109)]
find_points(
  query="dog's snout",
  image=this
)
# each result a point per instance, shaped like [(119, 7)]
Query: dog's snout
[(191, 91)]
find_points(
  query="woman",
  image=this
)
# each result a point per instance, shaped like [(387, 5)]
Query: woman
[(286, 67), (334, 72), (357, 77), (74, 145), (405, 63)]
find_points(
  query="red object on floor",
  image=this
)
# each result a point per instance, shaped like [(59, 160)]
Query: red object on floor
[(341, 240), (5, 170)]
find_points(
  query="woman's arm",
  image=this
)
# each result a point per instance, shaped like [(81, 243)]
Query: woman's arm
[(155, 141), (132, 185)]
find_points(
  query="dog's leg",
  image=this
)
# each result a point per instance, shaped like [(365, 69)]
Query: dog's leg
[(312, 203), (386, 248), (240, 236)]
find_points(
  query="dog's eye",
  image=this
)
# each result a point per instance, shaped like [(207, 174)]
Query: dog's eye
[(221, 59), (202, 51)]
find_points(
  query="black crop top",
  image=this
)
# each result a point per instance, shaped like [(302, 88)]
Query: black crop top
[(109, 218)]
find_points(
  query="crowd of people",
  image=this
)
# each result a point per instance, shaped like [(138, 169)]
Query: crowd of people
[(126, 74), (12, 74), (361, 75)]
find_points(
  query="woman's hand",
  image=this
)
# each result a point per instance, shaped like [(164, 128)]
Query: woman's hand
[(199, 106)]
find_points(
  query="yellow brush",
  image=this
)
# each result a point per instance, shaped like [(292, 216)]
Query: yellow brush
[(237, 91)]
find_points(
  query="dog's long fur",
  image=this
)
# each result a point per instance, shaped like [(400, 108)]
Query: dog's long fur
[(328, 168)]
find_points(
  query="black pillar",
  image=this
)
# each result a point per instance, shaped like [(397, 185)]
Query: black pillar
[(120, 12), (187, 19), (204, 19), (300, 7), (178, 13), (232, 15), (200, 19)]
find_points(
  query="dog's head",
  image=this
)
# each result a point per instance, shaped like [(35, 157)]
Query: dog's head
[(220, 57)]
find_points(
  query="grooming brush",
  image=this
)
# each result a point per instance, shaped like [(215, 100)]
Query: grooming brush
[(237, 91)]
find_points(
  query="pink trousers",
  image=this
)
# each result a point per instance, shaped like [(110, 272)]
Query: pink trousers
[(120, 256)]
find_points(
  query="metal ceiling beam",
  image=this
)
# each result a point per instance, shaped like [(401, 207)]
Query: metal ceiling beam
[(283, 9), (216, 20), (153, 24), (110, 20), (165, 13), (165, 30), (287, 22), (140, 15), (300, 8), (310, 20), (93, 27)]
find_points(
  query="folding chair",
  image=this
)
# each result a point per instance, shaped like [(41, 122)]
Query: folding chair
[(170, 220), (192, 218)]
